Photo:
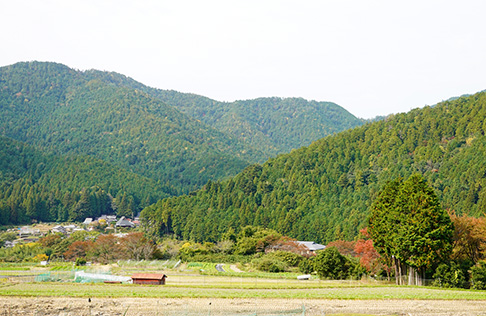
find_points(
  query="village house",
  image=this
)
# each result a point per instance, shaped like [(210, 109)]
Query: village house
[(88, 221), (59, 229), (107, 218), (123, 222), (311, 247), (25, 231)]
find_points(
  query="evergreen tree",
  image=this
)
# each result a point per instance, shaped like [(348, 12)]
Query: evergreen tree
[(83, 208), (408, 224)]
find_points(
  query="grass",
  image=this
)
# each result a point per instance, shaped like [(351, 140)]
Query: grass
[(359, 291), (16, 265), (127, 267), (14, 269), (190, 282)]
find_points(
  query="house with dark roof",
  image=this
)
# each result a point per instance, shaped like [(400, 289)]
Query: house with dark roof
[(123, 222)]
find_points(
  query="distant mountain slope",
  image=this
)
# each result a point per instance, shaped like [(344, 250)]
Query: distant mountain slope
[(69, 112), (39, 186), (322, 192), (271, 125)]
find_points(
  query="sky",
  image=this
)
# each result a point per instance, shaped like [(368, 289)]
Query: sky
[(370, 57)]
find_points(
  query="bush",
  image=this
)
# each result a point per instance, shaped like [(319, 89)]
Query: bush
[(246, 246), (7, 236), (330, 264), (450, 275), (307, 265), (292, 259), (80, 262), (269, 264), (478, 276)]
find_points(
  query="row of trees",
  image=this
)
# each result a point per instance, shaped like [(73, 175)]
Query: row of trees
[(81, 247)]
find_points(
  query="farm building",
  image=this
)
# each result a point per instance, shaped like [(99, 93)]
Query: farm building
[(149, 278)]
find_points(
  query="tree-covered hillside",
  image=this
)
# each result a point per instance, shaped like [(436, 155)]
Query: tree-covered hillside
[(271, 125), (39, 186), (65, 111), (323, 192)]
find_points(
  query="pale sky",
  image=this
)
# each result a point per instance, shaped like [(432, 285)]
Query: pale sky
[(370, 57)]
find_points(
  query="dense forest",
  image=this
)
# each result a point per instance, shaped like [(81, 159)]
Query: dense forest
[(144, 130), (62, 111), (270, 125), (45, 187), (323, 192), (86, 131)]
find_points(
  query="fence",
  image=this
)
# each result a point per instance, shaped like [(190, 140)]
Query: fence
[(189, 280)]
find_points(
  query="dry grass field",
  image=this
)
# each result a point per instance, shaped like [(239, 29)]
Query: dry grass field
[(68, 306)]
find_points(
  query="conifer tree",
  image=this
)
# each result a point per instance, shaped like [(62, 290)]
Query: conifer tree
[(409, 226)]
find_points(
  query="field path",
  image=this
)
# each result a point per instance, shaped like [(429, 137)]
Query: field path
[(235, 268), (56, 306)]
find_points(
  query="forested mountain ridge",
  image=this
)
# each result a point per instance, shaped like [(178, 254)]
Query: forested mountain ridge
[(271, 125), (322, 192), (39, 186), (65, 111)]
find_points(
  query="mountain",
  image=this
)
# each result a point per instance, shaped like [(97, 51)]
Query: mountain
[(64, 111), (270, 125), (182, 140), (39, 186), (322, 192)]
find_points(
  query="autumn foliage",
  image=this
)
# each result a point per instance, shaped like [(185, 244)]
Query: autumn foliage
[(469, 238), (107, 248)]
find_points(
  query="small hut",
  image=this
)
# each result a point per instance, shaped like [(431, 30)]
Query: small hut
[(149, 278)]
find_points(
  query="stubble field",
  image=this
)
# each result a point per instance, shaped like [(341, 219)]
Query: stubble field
[(204, 295)]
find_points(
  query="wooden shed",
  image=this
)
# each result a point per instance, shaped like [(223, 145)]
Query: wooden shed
[(149, 278)]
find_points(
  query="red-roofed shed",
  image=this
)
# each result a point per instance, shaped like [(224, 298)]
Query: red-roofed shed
[(148, 278)]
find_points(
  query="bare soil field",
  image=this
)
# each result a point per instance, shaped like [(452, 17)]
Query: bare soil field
[(65, 306)]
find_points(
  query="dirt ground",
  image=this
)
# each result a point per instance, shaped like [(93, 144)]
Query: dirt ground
[(62, 306)]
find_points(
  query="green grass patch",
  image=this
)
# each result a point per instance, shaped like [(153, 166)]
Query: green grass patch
[(14, 269), (62, 267), (168, 291)]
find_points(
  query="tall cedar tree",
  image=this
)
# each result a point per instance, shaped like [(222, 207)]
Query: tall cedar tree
[(408, 225)]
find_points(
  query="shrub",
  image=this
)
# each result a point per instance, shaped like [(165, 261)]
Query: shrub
[(80, 262), (307, 265), (40, 257), (7, 236), (330, 264), (478, 276), (450, 275), (292, 259), (269, 264), (246, 246)]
